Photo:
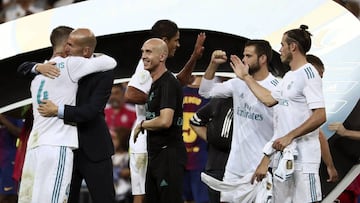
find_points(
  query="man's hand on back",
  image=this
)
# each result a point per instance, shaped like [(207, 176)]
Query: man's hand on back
[(48, 109), (48, 69)]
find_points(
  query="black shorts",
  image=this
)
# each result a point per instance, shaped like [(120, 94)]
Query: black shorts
[(164, 177)]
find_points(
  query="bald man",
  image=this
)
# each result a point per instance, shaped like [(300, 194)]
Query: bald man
[(167, 154), (48, 163)]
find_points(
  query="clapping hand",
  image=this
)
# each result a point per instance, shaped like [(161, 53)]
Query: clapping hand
[(240, 69), (199, 48)]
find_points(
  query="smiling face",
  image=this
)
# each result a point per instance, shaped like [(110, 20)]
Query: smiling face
[(154, 52)]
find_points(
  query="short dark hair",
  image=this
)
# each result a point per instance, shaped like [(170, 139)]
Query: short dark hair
[(164, 28), (262, 47), (315, 61), (59, 34), (301, 37)]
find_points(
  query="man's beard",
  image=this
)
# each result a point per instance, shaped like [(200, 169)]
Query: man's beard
[(287, 59), (254, 68)]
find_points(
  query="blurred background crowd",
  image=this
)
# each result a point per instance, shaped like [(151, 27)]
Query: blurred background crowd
[(13, 9)]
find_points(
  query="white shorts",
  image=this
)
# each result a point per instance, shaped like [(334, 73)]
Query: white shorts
[(46, 175), (138, 166), (301, 187)]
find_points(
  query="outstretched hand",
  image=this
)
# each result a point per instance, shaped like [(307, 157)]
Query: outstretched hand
[(48, 69), (240, 69), (199, 46), (337, 127)]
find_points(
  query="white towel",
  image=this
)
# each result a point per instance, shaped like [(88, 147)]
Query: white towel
[(265, 190), (241, 190), (286, 166)]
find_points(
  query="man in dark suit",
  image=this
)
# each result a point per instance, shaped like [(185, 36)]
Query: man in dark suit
[(92, 160)]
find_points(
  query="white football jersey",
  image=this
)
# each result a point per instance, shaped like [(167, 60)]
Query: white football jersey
[(61, 90), (253, 121), (298, 93), (141, 80)]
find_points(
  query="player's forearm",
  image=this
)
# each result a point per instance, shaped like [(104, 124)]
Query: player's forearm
[(312, 123), (206, 85), (325, 150), (155, 124), (185, 74), (135, 96), (163, 121), (104, 62), (352, 134), (200, 131), (210, 71), (263, 94)]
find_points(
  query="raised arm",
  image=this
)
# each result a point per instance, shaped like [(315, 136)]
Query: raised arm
[(217, 57), (242, 71), (184, 75), (207, 83)]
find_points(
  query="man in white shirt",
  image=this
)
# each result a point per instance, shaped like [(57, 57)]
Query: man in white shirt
[(253, 122), (299, 113)]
